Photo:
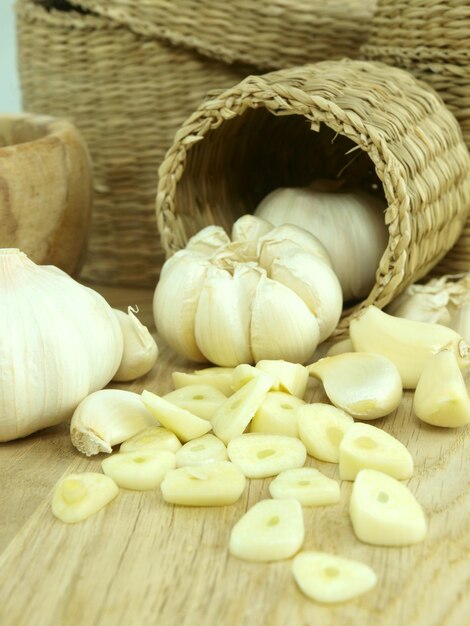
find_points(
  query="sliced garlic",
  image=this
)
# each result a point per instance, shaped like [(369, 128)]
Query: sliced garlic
[(78, 496), (321, 429), (260, 456), (106, 418), (213, 484), (154, 438), (384, 512), (234, 415), (290, 377), (243, 374), (201, 400), (140, 470), (270, 531), (365, 385), (365, 446), (441, 396), (184, 424), (218, 377), (409, 344), (306, 485), (329, 578), (205, 449), (282, 326), (277, 415), (140, 349), (208, 240), (248, 229), (340, 347), (180, 285)]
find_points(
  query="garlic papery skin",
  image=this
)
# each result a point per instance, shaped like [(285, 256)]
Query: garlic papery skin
[(140, 350), (59, 342), (248, 229), (288, 238), (350, 224), (106, 418), (208, 240)]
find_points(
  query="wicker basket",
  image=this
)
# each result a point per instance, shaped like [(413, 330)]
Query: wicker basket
[(128, 73), (431, 40), (375, 124)]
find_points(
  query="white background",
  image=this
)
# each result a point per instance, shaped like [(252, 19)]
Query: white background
[(10, 100)]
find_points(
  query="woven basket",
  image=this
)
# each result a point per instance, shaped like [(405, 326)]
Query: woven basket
[(374, 124), (431, 40), (128, 73)]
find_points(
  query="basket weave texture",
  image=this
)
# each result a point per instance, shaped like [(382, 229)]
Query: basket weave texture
[(430, 39), (127, 73), (365, 120)]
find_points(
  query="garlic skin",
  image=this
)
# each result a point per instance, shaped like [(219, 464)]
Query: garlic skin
[(59, 342), (269, 294), (350, 224), (140, 350)]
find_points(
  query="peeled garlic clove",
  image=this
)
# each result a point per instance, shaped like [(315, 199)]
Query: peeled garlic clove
[(222, 321), (184, 424), (208, 240), (277, 415), (282, 327), (384, 512), (364, 446), (205, 449), (140, 350), (287, 238), (78, 496), (201, 400), (366, 386), (340, 347), (315, 283), (153, 438), (218, 377), (213, 484), (106, 418), (321, 429), (289, 377), (139, 470), (409, 344), (234, 415), (176, 299), (329, 579), (271, 530), (306, 485), (441, 396), (259, 456), (249, 229)]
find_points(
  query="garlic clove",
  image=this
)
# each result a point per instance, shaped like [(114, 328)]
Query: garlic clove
[(288, 238), (218, 377), (176, 299), (277, 415), (321, 429), (140, 349), (441, 396), (208, 240), (205, 449), (222, 321), (340, 347), (106, 418), (152, 438), (282, 327), (306, 485), (201, 400), (366, 386), (315, 283), (78, 496), (139, 470), (409, 344), (289, 377), (249, 229)]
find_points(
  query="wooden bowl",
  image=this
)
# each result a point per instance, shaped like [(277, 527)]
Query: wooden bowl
[(45, 190)]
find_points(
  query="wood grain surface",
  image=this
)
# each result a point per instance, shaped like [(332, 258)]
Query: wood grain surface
[(142, 562)]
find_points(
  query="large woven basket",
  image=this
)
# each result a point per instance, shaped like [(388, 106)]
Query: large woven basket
[(431, 40), (128, 73), (374, 124)]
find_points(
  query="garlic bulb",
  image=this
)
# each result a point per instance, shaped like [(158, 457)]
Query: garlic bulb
[(350, 224), (59, 342), (269, 294), (140, 350)]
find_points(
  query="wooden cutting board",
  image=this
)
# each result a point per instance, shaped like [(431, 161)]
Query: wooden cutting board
[(142, 562)]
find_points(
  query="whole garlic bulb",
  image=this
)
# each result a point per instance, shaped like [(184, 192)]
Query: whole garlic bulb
[(270, 293), (59, 342), (350, 224)]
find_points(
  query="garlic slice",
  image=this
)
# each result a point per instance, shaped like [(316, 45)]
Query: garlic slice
[(153, 438), (306, 485), (409, 344), (139, 470), (243, 374), (282, 327), (205, 449), (106, 418), (78, 496), (277, 415), (208, 240), (218, 377), (321, 429), (260, 456), (366, 386), (201, 400), (289, 377), (140, 349), (441, 396)]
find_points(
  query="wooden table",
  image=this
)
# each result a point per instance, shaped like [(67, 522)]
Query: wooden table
[(142, 562)]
